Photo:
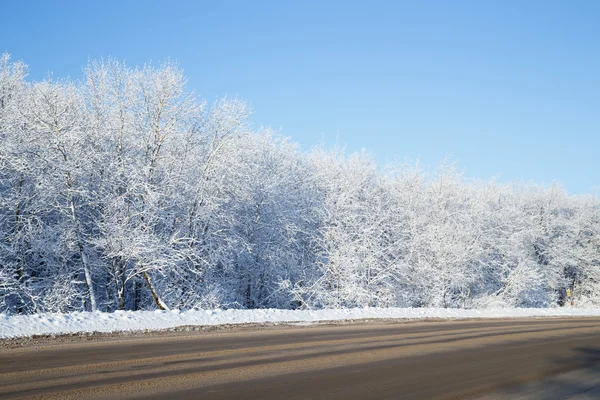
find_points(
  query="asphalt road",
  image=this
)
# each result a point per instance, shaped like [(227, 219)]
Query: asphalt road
[(542, 358)]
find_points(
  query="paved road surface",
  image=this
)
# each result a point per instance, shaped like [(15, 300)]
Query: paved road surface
[(543, 358)]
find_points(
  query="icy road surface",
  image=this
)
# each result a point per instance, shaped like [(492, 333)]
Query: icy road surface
[(490, 359)]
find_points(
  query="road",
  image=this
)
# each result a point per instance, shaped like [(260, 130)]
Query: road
[(539, 358)]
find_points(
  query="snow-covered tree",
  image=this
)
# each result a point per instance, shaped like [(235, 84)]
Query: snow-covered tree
[(125, 190)]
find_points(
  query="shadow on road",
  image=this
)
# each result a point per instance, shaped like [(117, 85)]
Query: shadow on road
[(576, 377)]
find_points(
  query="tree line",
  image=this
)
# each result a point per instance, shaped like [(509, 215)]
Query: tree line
[(124, 190)]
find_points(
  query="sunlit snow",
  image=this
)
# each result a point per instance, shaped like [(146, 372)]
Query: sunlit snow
[(40, 324)]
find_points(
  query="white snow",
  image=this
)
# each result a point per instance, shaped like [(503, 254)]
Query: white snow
[(40, 324)]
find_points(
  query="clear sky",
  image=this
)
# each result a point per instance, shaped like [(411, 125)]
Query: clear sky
[(509, 89)]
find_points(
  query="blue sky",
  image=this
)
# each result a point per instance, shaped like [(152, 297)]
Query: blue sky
[(509, 89)]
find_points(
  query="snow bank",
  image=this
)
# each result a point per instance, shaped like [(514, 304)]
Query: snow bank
[(28, 325)]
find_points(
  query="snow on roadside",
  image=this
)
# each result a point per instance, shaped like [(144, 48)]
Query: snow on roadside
[(77, 322)]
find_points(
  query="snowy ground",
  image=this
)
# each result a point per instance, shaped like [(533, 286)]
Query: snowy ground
[(41, 324)]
